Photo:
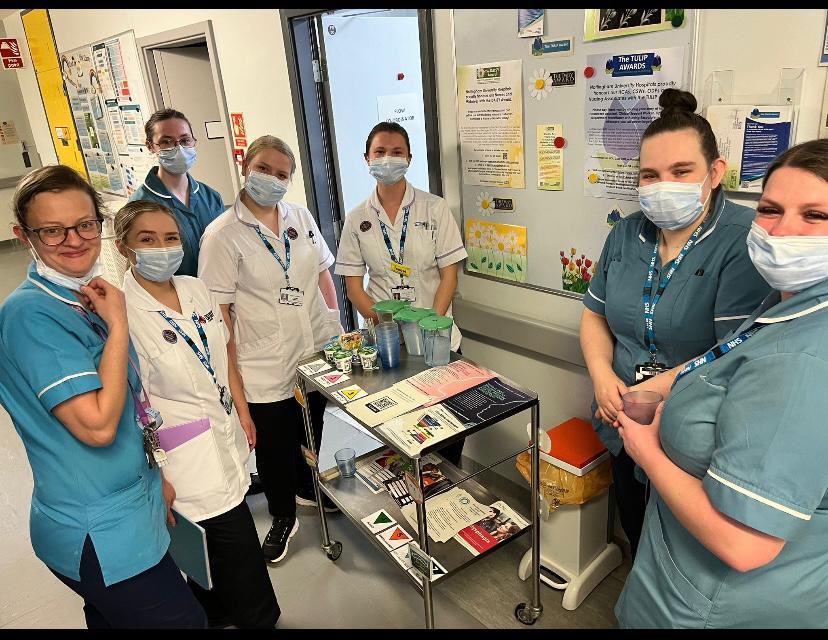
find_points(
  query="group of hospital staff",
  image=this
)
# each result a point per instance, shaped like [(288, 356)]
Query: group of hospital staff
[(138, 400)]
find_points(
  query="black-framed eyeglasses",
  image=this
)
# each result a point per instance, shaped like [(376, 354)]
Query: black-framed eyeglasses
[(168, 143), (53, 236)]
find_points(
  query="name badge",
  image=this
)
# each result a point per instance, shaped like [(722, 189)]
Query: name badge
[(292, 296), (403, 293), (649, 370), (401, 269)]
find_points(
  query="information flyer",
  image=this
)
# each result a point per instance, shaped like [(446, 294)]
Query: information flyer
[(550, 158), (621, 100), (490, 107), (749, 137)]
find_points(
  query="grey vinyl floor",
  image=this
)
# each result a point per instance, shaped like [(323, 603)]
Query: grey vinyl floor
[(362, 589)]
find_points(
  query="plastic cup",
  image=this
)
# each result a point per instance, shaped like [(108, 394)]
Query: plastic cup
[(343, 361), (388, 344), (641, 405), (346, 462), (437, 339)]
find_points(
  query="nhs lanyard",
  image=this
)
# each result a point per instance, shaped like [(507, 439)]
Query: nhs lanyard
[(204, 359), (718, 351), (403, 235), (140, 405), (650, 301), (286, 264)]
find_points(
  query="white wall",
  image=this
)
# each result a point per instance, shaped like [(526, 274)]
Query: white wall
[(251, 57)]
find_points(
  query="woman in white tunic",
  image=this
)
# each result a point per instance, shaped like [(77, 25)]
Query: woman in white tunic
[(179, 335)]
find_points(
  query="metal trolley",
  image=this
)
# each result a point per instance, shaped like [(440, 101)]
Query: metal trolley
[(357, 502)]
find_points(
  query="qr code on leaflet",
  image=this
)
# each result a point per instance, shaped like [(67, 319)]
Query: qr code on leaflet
[(381, 404)]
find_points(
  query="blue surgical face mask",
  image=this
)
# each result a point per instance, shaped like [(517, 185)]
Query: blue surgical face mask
[(266, 190), (61, 279), (177, 160), (788, 263), (158, 264), (672, 205), (388, 169)]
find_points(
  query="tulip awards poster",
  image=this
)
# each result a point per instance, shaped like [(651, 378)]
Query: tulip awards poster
[(621, 100)]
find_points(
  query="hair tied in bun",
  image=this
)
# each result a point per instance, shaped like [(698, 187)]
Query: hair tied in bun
[(677, 100)]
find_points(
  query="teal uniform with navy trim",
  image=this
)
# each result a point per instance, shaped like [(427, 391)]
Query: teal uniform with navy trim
[(205, 206), (752, 426), (714, 289), (49, 353)]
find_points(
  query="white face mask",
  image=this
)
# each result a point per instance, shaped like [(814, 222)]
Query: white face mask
[(788, 263), (388, 169), (61, 279), (672, 205), (158, 264)]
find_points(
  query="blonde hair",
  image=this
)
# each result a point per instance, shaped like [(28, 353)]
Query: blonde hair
[(270, 142), (131, 211)]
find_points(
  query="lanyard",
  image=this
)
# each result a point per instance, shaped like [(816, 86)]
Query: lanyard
[(718, 351), (139, 404), (285, 265), (205, 360), (650, 304), (403, 235)]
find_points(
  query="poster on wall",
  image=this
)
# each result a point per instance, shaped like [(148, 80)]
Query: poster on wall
[(550, 157), (749, 138), (490, 108), (530, 23), (611, 23), (621, 100), (497, 250)]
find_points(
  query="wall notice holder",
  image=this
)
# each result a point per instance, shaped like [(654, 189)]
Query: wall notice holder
[(788, 90)]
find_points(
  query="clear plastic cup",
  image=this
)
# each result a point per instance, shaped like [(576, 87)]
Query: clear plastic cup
[(409, 321), (346, 462), (388, 344), (437, 339), (641, 405)]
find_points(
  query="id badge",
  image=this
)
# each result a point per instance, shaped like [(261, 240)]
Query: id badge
[(403, 293), (226, 399), (649, 370), (291, 296), (401, 269)]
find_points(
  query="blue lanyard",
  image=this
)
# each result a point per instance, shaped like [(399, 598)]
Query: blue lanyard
[(403, 235), (285, 265), (205, 360), (650, 304), (718, 351)]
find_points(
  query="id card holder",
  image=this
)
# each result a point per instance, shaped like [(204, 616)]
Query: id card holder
[(226, 399), (401, 269), (403, 292), (291, 296), (648, 370)]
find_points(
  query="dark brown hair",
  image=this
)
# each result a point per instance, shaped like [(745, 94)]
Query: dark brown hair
[(53, 178), (390, 127), (160, 116), (677, 113), (811, 156)]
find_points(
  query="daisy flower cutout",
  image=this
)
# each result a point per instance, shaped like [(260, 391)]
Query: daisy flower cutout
[(540, 87), (476, 235), (485, 203)]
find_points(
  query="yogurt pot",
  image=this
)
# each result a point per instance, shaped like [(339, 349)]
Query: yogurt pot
[(342, 359), (368, 358)]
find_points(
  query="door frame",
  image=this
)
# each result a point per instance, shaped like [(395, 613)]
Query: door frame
[(179, 37)]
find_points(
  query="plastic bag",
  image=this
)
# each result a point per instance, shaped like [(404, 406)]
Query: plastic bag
[(559, 486)]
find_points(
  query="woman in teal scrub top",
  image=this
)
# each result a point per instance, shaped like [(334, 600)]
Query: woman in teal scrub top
[(737, 521), (672, 279), (98, 516)]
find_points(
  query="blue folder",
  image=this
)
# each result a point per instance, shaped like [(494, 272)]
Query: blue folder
[(188, 547)]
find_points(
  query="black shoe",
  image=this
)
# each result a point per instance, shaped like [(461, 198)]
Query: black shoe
[(275, 545), (255, 485), (306, 497)]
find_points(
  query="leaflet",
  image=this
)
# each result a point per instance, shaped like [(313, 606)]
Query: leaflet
[(500, 523), (379, 407), (445, 381), (421, 428), (448, 513), (485, 402)]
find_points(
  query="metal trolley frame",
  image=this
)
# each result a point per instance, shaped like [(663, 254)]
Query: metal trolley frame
[(356, 501)]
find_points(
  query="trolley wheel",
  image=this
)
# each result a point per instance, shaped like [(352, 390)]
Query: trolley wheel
[(335, 551), (523, 612)]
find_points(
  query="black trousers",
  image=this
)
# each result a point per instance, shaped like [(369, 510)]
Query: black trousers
[(630, 498), (280, 431), (242, 594), (157, 598)]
